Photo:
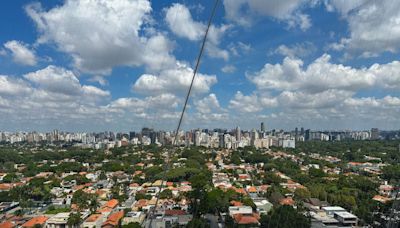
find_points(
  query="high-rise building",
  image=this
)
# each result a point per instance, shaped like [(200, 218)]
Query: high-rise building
[(132, 135), (262, 127), (221, 140), (307, 135), (238, 134), (197, 138), (374, 133)]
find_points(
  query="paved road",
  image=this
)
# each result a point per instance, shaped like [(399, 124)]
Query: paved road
[(213, 220)]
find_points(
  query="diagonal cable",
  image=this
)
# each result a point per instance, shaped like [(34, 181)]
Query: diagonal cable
[(165, 168)]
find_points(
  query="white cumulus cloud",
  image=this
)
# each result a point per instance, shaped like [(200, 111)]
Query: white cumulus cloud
[(174, 80), (102, 34), (21, 53)]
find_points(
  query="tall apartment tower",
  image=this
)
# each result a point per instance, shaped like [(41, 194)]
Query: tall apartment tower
[(374, 133), (238, 134), (262, 127)]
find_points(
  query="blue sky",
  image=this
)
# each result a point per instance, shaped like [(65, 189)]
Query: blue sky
[(124, 64)]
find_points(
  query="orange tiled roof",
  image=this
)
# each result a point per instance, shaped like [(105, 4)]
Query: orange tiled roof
[(141, 203), (36, 220), (114, 218), (5, 187), (111, 203), (355, 163), (287, 201), (93, 218), (236, 203), (252, 189), (7, 224), (175, 212), (245, 219), (78, 187), (106, 209), (381, 199), (240, 191)]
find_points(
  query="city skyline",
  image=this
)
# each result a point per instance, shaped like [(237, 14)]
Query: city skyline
[(127, 64)]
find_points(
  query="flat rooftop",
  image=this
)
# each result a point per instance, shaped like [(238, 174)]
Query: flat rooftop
[(346, 215)]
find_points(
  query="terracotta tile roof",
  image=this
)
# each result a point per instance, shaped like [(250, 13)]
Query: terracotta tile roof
[(386, 187), (252, 189), (175, 212), (141, 203), (236, 203), (78, 187), (7, 224), (5, 187), (355, 163), (111, 203), (381, 199), (245, 219), (114, 218), (240, 190), (106, 209), (36, 220), (93, 218), (287, 201)]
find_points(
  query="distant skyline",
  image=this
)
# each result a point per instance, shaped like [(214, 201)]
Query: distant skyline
[(210, 129), (121, 65)]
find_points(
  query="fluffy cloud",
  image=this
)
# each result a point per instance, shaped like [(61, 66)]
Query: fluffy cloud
[(102, 34), (209, 112), (239, 48), (54, 79), (11, 86), (61, 81), (246, 104), (374, 26), (20, 52), (175, 80), (323, 75), (228, 69), (241, 11), (181, 23), (54, 97), (208, 104), (49, 97), (321, 100), (296, 50), (321, 95)]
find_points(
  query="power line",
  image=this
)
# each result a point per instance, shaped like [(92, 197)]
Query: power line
[(165, 168)]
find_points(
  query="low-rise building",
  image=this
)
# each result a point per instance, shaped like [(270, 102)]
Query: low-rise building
[(93, 221)]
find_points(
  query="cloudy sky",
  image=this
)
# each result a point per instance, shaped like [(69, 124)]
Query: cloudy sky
[(124, 64)]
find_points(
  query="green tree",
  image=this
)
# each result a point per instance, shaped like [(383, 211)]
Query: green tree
[(166, 194), (286, 217), (302, 194), (9, 178), (85, 200), (74, 219), (132, 225)]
